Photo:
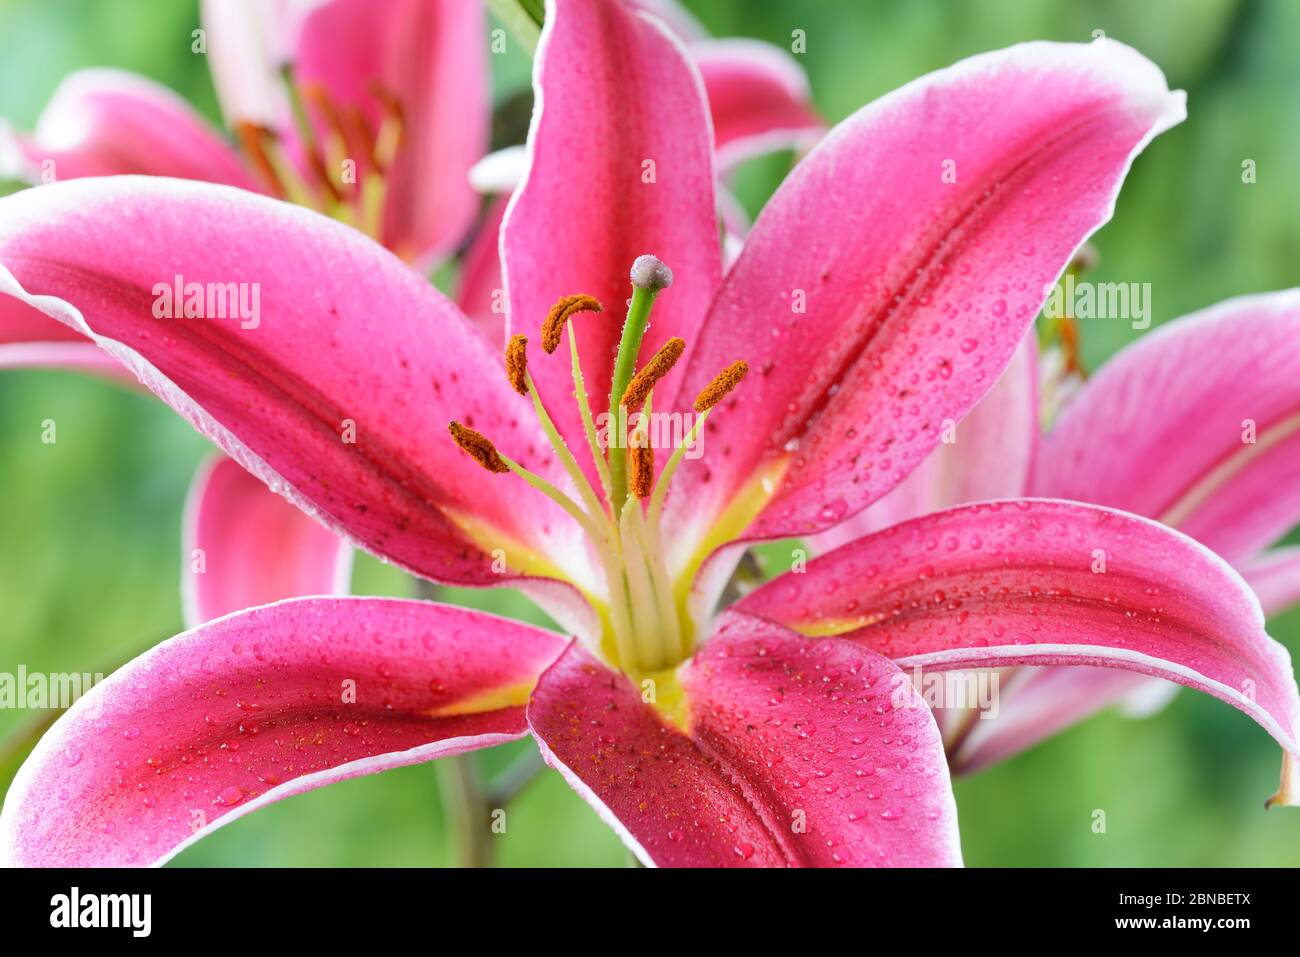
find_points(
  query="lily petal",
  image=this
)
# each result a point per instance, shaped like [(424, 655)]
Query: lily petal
[(481, 291), (1197, 425), (1173, 414), (29, 339), (990, 457), (249, 44), (1035, 703), (1045, 701), (1274, 576), (259, 706), (431, 56), (675, 16), (104, 122), (1039, 582), (627, 119), (336, 390), (888, 282), (758, 97), (797, 754), (246, 546)]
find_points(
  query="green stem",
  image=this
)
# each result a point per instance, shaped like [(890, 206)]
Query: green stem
[(465, 810), (638, 317), (523, 18), (511, 782)]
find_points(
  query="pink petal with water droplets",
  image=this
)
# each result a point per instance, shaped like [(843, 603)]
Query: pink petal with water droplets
[(1159, 431), (255, 707), (108, 122), (1197, 425), (1039, 582), (758, 98), (337, 392), (431, 55), (888, 282), (625, 117), (245, 546), (990, 457), (798, 754), (1045, 701)]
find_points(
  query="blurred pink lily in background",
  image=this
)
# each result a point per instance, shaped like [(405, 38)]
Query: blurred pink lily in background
[(369, 112), (1196, 425), (398, 90), (874, 300)]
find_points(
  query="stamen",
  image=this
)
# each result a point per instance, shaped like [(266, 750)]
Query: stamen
[(250, 138), (391, 127), (722, 383), (307, 134), (641, 465), (647, 630), (334, 139), (267, 153), (674, 460), (1085, 260), (322, 176), (562, 450), (561, 312), (319, 97), (517, 363), (478, 447), (356, 121), (660, 364), (1067, 331), (584, 410)]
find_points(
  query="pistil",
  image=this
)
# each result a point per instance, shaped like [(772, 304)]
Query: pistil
[(649, 278)]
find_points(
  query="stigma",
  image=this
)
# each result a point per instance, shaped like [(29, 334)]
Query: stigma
[(647, 626)]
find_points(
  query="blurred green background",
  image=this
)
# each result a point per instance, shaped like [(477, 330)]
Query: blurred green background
[(89, 526)]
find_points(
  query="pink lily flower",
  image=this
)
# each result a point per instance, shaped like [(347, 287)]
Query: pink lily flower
[(785, 732), (385, 111), (399, 89)]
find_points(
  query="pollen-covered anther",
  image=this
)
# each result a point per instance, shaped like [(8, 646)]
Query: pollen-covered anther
[(1067, 330), (517, 363), (389, 100), (722, 383), (1086, 259), (478, 447), (640, 466), (253, 138), (561, 312), (660, 364)]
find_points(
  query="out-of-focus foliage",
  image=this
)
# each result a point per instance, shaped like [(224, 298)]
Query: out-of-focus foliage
[(89, 539)]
